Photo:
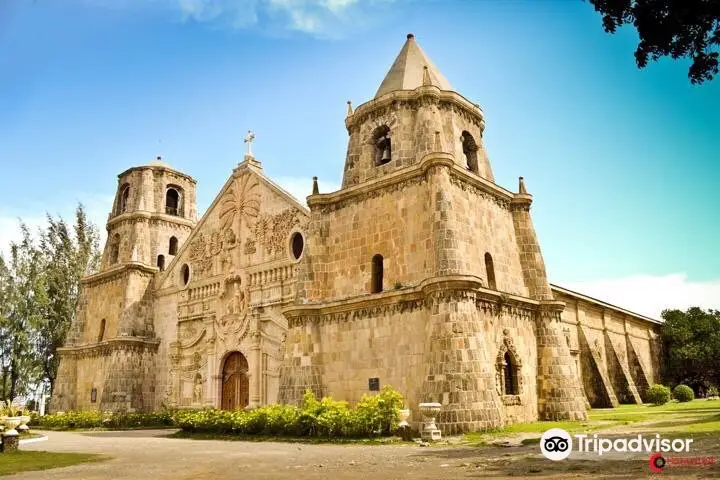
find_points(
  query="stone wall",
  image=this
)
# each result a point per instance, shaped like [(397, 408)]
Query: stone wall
[(619, 350), (446, 346)]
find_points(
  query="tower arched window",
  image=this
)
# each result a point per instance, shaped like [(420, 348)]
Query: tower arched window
[(124, 199), (115, 249), (382, 145), (470, 150), (509, 375), (172, 201), (161, 262), (101, 332), (490, 270), (377, 274), (173, 246)]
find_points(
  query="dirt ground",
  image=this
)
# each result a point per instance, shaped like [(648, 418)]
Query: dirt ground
[(151, 454)]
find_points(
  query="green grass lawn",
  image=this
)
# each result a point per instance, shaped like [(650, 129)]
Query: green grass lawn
[(698, 416), (26, 460)]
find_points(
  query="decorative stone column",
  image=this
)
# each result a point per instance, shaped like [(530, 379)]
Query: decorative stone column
[(256, 349)]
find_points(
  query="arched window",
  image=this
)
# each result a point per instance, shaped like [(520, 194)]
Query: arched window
[(470, 149), (172, 248), (381, 143), (490, 269), (377, 274), (101, 333), (124, 199), (161, 262), (509, 375), (172, 201), (115, 249), (185, 272)]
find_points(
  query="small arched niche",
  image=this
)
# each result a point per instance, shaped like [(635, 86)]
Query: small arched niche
[(173, 246), (124, 199), (161, 262), (382, 145), (376, 282), (101, 331), (470, 150), (490, 270), (508, 370), (115, 249)]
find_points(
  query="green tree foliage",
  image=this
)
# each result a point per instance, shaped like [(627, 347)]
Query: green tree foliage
[(691, 342), (39, 285), (68, 257), (669, 28)]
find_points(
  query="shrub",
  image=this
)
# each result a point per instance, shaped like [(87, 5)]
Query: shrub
[(712, 391), (374, 415), (97, 419), (683, 393), (658, 394)]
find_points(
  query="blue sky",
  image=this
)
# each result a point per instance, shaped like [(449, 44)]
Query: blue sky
[(623, 163)]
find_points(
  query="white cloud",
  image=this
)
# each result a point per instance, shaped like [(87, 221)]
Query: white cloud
[(650, 295), (301, 187), (318, 18)]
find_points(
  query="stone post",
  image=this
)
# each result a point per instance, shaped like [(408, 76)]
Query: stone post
[(257, 364)]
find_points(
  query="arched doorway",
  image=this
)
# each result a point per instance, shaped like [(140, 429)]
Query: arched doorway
[(235, 385)]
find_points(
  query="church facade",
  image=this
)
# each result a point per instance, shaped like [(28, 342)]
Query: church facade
[(420, 273)]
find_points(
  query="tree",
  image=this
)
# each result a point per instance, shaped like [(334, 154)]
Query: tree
[(674, 28), (39, 291), (23, 302), (691, 342), (68, 257)]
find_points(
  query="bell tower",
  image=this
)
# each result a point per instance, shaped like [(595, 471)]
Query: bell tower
[(424, 258), (154, 211), (112, 344), (397, 127)]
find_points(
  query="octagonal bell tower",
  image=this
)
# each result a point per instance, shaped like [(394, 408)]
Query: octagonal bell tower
[(397, 127)]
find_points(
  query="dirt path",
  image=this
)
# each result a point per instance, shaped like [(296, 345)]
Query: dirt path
[(149, 454)]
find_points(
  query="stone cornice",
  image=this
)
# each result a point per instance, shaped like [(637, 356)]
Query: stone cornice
[(117, 272), (141, 215), (163, 168), (455, 287), (431, 91), (460, 176), (409, 175), (110, 345)]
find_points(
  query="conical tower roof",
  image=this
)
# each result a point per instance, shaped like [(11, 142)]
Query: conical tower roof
[(406, 72)]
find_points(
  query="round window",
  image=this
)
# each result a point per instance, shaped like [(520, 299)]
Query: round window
[(297, 244), (185, 272)]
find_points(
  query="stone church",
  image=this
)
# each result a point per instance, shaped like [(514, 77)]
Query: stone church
[(420, 272)]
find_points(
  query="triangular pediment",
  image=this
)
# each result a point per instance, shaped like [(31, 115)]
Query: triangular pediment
[(248, 223)]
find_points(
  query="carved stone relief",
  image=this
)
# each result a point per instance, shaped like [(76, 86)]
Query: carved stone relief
[(272, 230)]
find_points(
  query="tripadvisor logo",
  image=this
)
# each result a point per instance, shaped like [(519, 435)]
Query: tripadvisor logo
[(556, 444)]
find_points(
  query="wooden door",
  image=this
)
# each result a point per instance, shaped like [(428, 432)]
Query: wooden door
[(235, 384)]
